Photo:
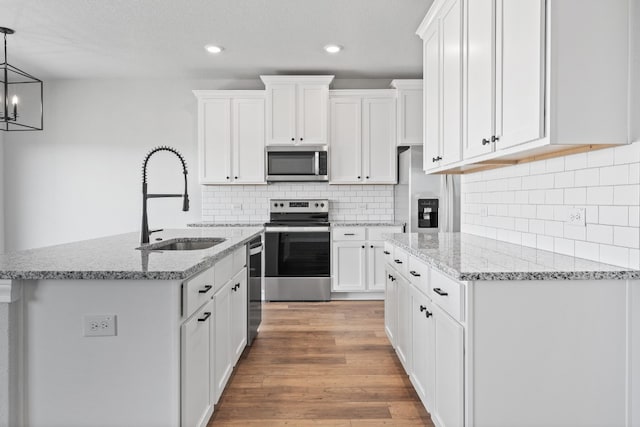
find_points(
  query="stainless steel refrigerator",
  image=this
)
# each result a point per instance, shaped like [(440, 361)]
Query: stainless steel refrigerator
[(425, 203)]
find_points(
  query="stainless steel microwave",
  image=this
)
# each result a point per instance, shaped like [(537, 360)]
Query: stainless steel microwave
[(297, 163)]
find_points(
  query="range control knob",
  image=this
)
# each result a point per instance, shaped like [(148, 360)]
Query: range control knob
[(281, 205), (317, 205), (275, 204), (322, 205)]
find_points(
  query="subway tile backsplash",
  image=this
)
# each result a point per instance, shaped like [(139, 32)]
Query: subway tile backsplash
[(250, 203), (529, 204)]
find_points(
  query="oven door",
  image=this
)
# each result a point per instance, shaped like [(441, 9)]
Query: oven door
[(297, 252)]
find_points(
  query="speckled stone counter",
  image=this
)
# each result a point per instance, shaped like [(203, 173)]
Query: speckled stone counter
[(366, 224), (467, 257), (116, 257), (226, 224)]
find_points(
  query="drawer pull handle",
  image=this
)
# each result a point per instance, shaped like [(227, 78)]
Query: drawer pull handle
[(349, 234), (393, 279), (397, 261), (386, 252), (440, 292), (413, 273), (205, 317), (205, 289), (428, 314), (422, 308)]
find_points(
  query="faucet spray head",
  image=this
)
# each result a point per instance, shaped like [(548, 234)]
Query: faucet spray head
[(185, 203)]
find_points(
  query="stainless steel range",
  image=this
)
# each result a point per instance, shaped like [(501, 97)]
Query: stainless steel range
[(298, 251)]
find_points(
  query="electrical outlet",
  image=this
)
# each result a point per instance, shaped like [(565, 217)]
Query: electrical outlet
[(101, 325), (484, 211), (576, 216), (236, 206)]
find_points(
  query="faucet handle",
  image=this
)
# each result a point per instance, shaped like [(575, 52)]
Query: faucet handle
[(155, 231)]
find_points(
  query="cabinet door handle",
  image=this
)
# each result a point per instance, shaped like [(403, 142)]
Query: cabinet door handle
[(386, 252), (495, 138), (349, 234), (227, 177), (428, 314), (397, 261), (433, 159), (205, 289), (301, 139), (422, 308), (392, 278), (358, 177), (293, 139), (235, 177), (440, 292), (362, 246), (485, 141), (205, 317), (371, 246), (413, 273), (367, 177)]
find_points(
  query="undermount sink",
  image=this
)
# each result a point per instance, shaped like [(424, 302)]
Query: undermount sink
[(185, 244)]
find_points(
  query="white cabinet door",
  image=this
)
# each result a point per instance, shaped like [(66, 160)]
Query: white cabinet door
[(196, 400), (449, 363), (281, 113), (349, 266), (404, 335), (222, 339), (312, 114), (390, 306), (451, 83), (423, 347), (248, 141), (376, 277), (215, 141), (346, 141), (431, 78), (480, 77), (520, 71), (379, 140), (410, 117), (238, 324)]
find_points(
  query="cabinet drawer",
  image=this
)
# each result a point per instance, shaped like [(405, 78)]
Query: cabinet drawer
[(400, 261), (349, 233), (419, 274), (388, 252), (376, 233), (224, 271), (447, 293), (197, 290)]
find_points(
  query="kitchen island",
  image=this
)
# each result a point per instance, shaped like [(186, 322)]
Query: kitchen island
[(496, 334), (99, 332)]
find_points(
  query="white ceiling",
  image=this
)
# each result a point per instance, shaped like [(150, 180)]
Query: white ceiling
[(166, 38)]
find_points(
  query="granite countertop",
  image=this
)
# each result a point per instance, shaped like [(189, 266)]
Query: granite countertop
[(116, 257), (226, 224), (468, 257), (366, 224)]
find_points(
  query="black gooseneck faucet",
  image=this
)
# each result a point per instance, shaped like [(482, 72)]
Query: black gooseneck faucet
[(144, 238)]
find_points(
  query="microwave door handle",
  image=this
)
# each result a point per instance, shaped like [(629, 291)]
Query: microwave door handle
[(317, 157)]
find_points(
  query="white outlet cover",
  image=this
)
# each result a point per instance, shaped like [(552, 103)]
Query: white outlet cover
[(576, 216), (99, 325)]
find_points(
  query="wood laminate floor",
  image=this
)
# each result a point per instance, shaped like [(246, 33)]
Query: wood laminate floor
[(320, 364)]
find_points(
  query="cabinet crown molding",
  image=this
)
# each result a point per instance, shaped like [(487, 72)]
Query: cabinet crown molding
[(213, 93), (325, 79), (429, 17), (406, 84)]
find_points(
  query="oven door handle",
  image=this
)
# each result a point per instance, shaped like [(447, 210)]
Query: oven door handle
[(255, 250), (317, 162), (295, 229)]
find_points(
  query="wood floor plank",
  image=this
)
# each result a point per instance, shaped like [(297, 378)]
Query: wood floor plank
[(320, 364)]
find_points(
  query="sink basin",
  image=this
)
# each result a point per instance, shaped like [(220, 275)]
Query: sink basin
[(185, 244)]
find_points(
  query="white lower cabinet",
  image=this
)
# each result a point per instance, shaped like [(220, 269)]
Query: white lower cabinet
[(403, 341), (196, 401), (358, 258), (222, 340), (390, 306), (238, 302), (423, 349)]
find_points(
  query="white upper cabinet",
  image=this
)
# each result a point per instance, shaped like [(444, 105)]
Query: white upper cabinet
[(442, 74), (536, 80), (231, 137), (363, 137), (297, 109), (410, 112)]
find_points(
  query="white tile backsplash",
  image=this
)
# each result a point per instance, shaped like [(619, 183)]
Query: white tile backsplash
[(250, 203), (529, 204)]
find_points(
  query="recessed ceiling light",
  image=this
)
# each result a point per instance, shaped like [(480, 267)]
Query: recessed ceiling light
[(213, 48), (333, 48)]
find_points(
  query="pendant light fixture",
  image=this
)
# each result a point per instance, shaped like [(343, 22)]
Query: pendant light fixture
[(20, 95)]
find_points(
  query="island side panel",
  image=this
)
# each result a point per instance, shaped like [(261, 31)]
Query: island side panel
[(132, 378), (553, 352), (633, 310)]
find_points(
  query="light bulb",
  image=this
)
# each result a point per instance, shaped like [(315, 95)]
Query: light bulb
[(14, 100), (213, 48), (332, 48)]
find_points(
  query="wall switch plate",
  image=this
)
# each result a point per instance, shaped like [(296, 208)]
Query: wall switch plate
[(576, 216), (100, 325), (236, 206)]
